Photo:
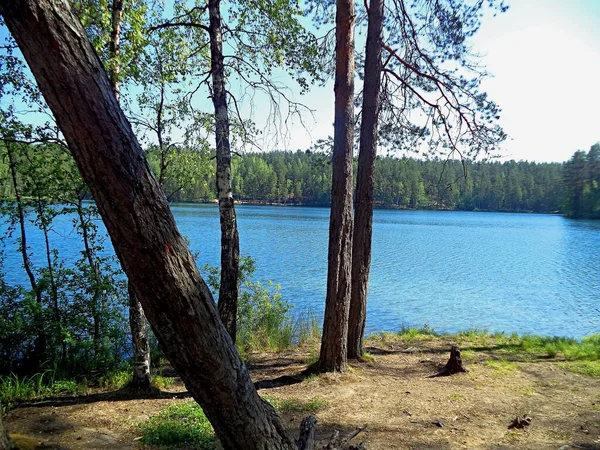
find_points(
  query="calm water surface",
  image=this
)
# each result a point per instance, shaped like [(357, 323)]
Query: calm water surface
[(452, 270)]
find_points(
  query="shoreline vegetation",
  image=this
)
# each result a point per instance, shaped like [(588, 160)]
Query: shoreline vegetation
[(377, 206), (495, 361), (580, 356)]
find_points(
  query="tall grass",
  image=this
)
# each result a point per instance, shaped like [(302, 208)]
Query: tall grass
[(15, 389)]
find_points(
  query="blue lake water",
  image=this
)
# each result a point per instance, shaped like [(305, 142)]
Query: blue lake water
[(521, 273)]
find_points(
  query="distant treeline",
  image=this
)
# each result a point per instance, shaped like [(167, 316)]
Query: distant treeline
[(305, 178)]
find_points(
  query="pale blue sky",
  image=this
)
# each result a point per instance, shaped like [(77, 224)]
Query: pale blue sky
[(545, 58)]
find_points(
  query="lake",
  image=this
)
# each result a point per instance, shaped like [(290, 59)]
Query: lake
[(524, 273)]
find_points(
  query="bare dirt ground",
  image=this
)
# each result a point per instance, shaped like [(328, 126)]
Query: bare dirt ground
[(391, 393)]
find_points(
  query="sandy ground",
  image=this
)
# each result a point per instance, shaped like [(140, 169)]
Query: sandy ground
[(391, 394)]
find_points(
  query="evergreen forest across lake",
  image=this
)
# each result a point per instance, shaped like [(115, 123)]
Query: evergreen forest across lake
[(304, 178)]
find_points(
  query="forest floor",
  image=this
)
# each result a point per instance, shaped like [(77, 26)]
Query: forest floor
[(391, 393)]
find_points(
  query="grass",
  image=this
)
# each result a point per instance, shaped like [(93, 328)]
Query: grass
[(295, 405), (526, 347), (162, 382), (590, 368), (179, 425), (502, 366), (14, 389), (184, 425)]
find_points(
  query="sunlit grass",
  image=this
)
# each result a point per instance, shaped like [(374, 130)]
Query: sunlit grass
[(179, 425), (296, 405), (590, 368)]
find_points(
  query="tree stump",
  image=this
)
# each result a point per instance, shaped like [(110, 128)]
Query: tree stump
[(306, 441), (454, 364)]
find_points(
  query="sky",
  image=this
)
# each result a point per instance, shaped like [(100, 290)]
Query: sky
[(544, 56)]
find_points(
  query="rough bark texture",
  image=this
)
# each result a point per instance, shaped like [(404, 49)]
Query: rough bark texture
[(5, 443), (161, 269), (363, 206), (335, 326), (139, 339), (230, 246), (454, 364), (114, 46), (306, 441)]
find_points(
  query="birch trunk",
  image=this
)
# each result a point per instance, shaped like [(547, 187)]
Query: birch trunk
[(230, 246)]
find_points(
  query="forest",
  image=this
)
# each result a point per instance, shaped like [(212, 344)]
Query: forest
[(107, 101)]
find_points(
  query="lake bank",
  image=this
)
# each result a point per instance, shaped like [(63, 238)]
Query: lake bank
[(390, 393)]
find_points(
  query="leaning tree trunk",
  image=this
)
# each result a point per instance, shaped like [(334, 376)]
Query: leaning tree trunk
[(5, 443), (335, 326), (363, 207), (134, 209), (230, 245)]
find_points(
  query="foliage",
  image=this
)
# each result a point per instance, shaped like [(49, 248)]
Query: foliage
[(72, 307), (15, 389), (263, 314), (582, 184), (178, 425), (305, 178)]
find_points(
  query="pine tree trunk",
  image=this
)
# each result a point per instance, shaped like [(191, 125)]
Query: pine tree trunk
[(5, 443), (363, 209), (162, 271), (139, 339), (230, 246), (335, 325)]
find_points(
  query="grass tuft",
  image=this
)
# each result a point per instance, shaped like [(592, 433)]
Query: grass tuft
[(179, 425), (590, 368), (295, 405)]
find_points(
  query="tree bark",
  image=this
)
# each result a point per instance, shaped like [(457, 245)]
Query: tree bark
[(335, 325), (230, 246), (363, 207), (5, 443), (134, 209), (139, 339)]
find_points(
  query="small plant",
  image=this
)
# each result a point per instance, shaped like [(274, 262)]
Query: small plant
[(501, 366), (426, 332), (456, 396), (115, 380), (179, 425), (295, 405), (590, 368), (162, 382)]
